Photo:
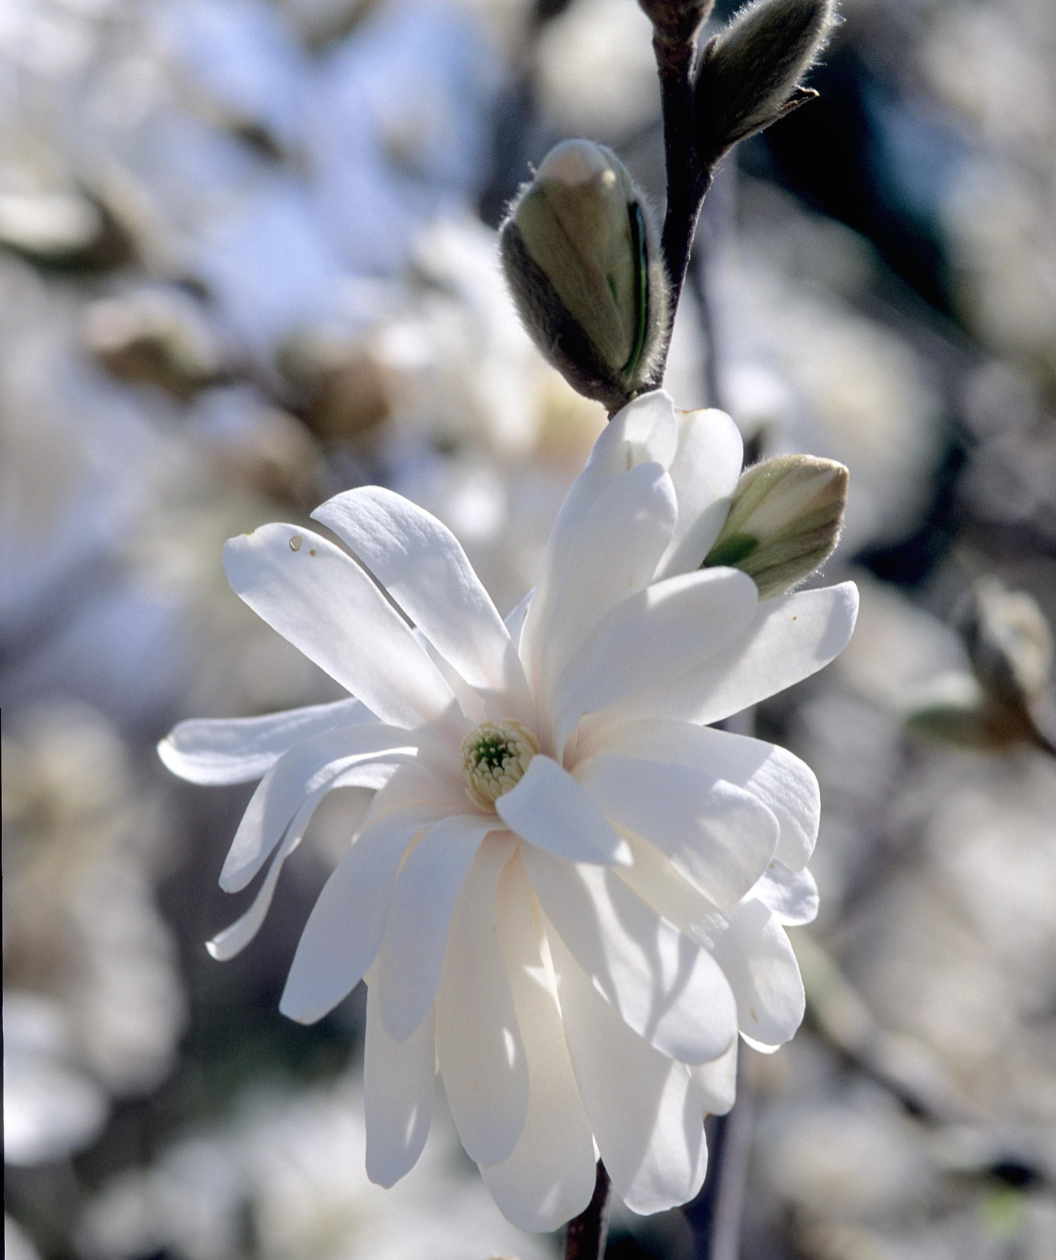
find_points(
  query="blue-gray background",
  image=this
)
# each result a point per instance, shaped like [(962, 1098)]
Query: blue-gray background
[(247, 260)]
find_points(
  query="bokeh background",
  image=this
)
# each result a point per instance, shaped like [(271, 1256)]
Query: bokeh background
[(247, 260)]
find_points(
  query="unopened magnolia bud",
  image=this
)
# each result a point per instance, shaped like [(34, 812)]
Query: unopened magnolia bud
[(750, 73), (784, 521), (582, 259)]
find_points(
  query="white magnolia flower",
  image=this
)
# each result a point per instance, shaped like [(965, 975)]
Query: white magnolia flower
[(570, 890)]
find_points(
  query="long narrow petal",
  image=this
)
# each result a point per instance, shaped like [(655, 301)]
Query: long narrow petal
[(644, 432), (651, 638), (285, 786), (423, 567), (549, 1178), (414, 784), (613, 553), (790, 639), (716, 1082), (791, 896), (327, 606), (786, 785), (212, 751), (762, 970), (601, 549), (549, 809), (719, 836), (347, 924), (412, 953), (478, 1039), (705, 471), (645, 1110), (399, 1084), (746, 941), (514, 619), (663, 985), (656, 880), (233, 939)]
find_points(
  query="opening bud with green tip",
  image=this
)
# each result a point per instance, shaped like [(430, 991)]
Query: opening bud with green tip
[(784, 521), (582, 258), (750, 73)]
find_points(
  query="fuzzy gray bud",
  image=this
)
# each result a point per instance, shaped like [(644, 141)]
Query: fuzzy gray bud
[(750, 73), (582, 258), (784, 521)]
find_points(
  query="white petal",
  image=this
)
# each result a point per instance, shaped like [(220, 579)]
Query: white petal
[(644, 1108), (478, 1040), (233, 939), (719, 836), (412, 954), (345, 929), (705, 471), (549, 809), (716, 1082), (779, 779), (656, 880), (549, 1178), (746, 941), (790, 639), (612, 552), (285, 786), (643, 432), (399, 1084), (651, 638), (663, 985), (792, 896), (327, 606), (576, 549), (414, 784), (239, 750), (423, 567), (762, 970), (514, 620)]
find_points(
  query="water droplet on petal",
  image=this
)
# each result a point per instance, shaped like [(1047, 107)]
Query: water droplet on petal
[(295, 542)]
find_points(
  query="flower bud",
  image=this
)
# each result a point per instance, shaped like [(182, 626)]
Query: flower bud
[(784, 521), (582, 259), (749, 74)]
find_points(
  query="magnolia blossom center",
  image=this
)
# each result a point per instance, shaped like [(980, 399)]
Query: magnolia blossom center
[(495, 756)]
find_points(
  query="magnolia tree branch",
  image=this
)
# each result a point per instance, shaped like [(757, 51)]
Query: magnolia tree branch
[(746, 78), (585, 1239), (688, 176)]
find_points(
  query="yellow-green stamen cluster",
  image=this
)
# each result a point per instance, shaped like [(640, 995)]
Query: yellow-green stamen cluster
[(495, 756)]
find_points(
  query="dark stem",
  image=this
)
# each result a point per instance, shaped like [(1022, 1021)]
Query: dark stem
[(716, 1212), (585, 1239), (689, 175), (732, 1173)]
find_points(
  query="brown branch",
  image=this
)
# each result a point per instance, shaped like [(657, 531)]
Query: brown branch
[(585, 1239), (688, 177)]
